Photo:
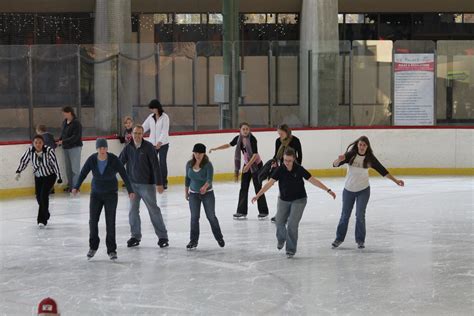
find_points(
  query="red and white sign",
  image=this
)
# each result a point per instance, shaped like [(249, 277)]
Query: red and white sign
[(414, 89)]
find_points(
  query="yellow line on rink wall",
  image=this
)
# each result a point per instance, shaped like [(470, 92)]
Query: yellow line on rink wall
[(336, 172)]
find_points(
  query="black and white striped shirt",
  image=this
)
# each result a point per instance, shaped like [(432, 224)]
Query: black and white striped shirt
[(44, 164)]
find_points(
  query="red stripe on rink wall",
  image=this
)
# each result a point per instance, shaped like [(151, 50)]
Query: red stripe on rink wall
[(226, 131)]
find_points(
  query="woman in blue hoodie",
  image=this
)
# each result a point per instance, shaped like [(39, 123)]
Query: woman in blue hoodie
[(104, 167)]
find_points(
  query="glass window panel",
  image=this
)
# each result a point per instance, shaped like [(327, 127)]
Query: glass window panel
[(468, 17), (288, 18), (354, 18), (188, 18), (160, 18), (215, 18), (340, 18), (255, 18), (271, 18)]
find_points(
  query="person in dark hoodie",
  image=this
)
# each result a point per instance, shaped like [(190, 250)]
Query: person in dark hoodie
[(71, 142), (144, 171), (104, 167), (47, 136)]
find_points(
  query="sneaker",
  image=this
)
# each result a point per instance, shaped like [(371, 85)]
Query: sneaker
[(41, 225), (273, 219), (280, 245), (221, 243), (163, 243), (91, 253), (133, 242), (262, 216), (336, 243), (113, 255), (360, 245), (192, 244), (289, 254), (240, 216)]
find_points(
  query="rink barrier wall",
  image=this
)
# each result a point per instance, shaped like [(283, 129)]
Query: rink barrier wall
[(420, 151)]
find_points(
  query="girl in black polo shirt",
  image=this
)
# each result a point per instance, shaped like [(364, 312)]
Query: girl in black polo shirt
[(292, 199)]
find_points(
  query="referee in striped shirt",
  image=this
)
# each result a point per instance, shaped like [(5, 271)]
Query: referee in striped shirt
[(46, 171)]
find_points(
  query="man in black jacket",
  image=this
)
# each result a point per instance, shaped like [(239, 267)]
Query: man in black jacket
[(104, 167), (143, 169)]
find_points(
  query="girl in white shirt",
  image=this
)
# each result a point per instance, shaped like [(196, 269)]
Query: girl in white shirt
[(158, 123), (359, 157)]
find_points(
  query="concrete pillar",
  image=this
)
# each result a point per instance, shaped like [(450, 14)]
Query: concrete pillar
[(319, 34), (112, 27), (231, 22)]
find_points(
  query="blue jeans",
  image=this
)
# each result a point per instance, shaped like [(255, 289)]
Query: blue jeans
[(72, 159), (209, 202), (288, 218), (147, 192), (348, 200)]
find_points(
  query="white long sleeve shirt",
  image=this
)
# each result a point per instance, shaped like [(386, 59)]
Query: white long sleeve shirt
[(159, 129)]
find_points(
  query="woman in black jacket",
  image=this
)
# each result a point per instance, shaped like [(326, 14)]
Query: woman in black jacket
[(71, 142), (284, 141)]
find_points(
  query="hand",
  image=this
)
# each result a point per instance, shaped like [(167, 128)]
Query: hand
[(160, 189), (60, 181), (274, 164), (74, 192), (186, 196), (131, 196), (211, 150), (236, 177), (59, 142), (203, 190), (400, 183), (246, 169), (158, 146), (17, 176), (254, 199), (341, 157), (332, 194)]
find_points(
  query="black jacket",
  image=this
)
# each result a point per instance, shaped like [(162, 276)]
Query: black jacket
[(107, 182), (142, 163), (295, 144), (71, 134)]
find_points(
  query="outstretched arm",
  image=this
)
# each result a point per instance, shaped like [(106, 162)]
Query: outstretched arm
[(225, 146), (265, 188), (321, 185)]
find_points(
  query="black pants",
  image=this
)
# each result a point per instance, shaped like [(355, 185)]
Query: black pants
[(97, 202), (43, 186), (242, 208), (162, 154)]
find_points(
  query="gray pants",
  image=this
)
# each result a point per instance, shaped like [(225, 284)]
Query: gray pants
[(72, 159), (147, 192), (287, 221)]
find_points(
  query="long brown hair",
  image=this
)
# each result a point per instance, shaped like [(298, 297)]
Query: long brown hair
[(286, 129), (204, 161), (352, 151)]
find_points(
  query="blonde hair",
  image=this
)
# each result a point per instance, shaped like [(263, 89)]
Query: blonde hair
[(127, 118)]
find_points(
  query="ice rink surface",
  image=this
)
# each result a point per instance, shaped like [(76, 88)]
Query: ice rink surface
[(419, 257)]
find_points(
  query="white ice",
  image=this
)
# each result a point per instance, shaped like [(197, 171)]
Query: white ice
[(418, 257)]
